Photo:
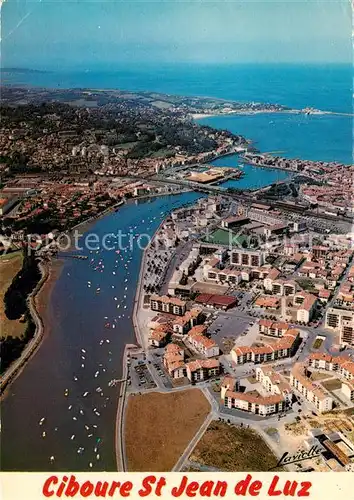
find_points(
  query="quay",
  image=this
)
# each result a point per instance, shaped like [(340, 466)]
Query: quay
[(72, 256)]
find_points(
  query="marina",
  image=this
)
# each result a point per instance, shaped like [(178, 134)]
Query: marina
[(90, 311)]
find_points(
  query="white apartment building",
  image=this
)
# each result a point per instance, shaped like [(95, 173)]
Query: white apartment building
[(341, 321), (312, 392)]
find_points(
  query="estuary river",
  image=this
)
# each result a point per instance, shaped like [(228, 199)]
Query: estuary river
[(59, 414)]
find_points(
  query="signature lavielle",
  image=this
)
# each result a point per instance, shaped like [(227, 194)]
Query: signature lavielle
[(299, 456)]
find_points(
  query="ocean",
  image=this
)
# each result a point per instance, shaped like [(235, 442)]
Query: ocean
[(79, 313), (327, 87), (314, 137)]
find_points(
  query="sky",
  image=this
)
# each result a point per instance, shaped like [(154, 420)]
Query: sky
[(88, 34)]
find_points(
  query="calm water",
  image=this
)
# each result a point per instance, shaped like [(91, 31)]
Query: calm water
[(79, 317), (311, 137), (80, 313), (328, 87)]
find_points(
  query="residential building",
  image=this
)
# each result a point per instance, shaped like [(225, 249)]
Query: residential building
[(348, 390), (341, 365), (160, 336), (202, 369), (170, 305), (272, 328), (285, 347), (305, 305), (312, 392), (274, 382), (173, 361), (252, 402), (184, 323), (205, 346), (247, 258), (341, 321)]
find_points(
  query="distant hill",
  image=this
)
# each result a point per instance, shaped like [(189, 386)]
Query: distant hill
[(22, 70)]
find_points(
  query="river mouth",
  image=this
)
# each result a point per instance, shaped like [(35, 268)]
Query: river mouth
[(61, 405)]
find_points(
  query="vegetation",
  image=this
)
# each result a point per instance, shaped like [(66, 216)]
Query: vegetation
[(155, 440), (22, 285), (10, 266), (317, 344), (223, 446), (15, 301)]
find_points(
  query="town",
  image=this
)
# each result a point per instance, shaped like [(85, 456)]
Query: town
[(243, 313), (267, 331)]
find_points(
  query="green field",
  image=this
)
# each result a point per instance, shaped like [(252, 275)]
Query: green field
[(225, 237)]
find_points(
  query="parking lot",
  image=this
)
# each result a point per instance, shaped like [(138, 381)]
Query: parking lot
[(226, 329), (140, 375), (157, 365)]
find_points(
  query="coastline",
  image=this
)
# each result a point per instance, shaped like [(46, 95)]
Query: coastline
[(16, 368)]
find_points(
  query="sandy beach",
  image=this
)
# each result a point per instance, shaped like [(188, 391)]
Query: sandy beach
[(42, 300)]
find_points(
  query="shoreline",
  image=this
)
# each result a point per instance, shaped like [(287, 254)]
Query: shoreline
[(16, 368), (200, 116)]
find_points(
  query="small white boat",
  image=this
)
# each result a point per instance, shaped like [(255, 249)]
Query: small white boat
[(74, 418), (90, 464), (66, 392), (98, 456), (96, 374), (85, 394), (69, 407), (43, 434), (41, 421), (87, 427), (72, 437), (52, 458), (83, 350), (81, 412)]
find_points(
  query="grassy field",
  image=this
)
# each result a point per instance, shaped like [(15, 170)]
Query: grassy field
[(233, 448), (159, 427), (317, 344), (319, 376), (332, 385), (10, 265)]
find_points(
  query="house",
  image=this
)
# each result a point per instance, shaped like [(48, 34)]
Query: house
[(184, 323), (202, 369), (160, 336), (171, 305), (173, 361), (304, 305), (201, 343), (272, 328)]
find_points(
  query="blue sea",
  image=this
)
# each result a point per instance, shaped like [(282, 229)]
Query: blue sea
[(79, 314), (315, 137), (328, 87)]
